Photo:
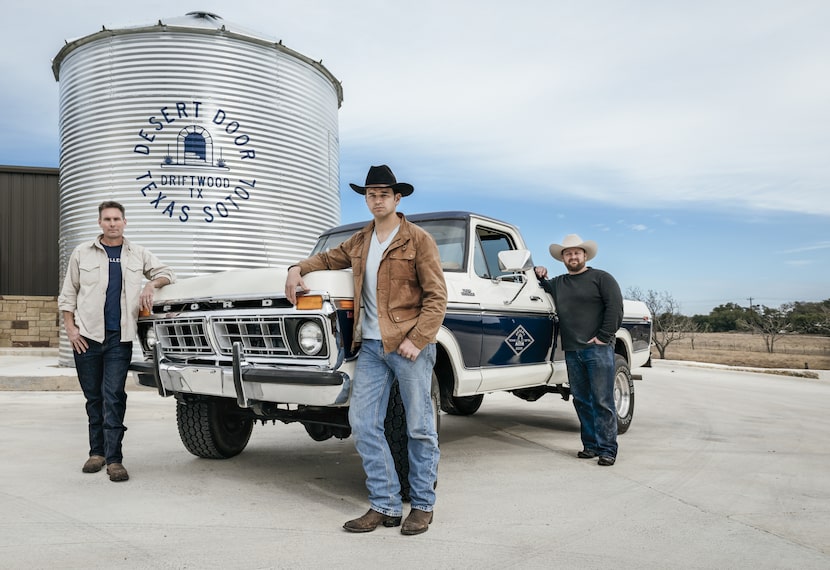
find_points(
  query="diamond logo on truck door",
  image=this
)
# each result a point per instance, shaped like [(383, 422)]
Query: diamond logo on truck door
[(519, 340)]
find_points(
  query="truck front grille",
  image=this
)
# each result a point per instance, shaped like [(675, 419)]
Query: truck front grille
[(183, 336), (266, 336), (260, 336)]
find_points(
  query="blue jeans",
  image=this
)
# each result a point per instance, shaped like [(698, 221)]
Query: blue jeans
[(373, 380), (102, 372), (591, 376)]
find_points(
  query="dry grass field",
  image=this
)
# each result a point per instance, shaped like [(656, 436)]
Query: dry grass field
[(746, 349)]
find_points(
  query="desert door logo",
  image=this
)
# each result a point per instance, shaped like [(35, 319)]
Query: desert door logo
[(185, 174), (519, 340)]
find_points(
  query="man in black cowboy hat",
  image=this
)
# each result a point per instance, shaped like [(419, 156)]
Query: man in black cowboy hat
[(589, 305), (400, 289)]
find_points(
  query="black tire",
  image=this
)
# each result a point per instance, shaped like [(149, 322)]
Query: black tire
[(213, 428), (623, 394), (463, 405), (395, 427)]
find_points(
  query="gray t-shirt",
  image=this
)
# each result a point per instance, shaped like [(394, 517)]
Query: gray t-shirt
[(370, 327)]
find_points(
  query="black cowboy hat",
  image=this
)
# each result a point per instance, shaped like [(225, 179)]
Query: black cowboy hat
[(382, 175)]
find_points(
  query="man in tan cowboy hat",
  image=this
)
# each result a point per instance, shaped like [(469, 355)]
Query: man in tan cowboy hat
[(590, 310), (400, 288)]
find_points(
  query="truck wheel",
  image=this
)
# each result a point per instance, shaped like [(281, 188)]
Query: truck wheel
[(623, 394), (464, 405), (396, 437), (213, 428)]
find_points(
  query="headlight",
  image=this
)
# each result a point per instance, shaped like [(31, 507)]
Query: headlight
[(150, 338), (310, 337)]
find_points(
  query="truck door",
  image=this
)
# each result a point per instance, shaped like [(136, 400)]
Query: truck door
[(516, 317)]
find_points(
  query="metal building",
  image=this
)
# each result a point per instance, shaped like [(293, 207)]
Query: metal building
[(28, 231)]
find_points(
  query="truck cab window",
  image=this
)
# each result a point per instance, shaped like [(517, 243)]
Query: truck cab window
[(451, 238), (449, 235), (487, 247)]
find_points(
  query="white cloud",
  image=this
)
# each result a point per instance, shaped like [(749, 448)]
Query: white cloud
[(812, 247), (799, 262), (701, 104)]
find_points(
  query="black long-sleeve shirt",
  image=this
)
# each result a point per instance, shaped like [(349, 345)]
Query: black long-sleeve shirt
[(589, 304)]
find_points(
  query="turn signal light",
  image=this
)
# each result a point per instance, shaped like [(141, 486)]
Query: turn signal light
[(309, 302)]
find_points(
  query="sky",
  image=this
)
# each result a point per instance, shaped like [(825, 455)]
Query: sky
[(690, 140)]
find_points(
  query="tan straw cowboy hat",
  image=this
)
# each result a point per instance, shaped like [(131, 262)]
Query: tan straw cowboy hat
[(573, 240)]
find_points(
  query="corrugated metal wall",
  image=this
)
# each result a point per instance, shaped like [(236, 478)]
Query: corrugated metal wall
[(29, 210), (222, 147)]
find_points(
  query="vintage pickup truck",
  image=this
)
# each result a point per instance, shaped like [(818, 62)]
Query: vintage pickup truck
[(234, 351)]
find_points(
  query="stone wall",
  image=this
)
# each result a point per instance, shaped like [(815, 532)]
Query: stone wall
[(29, 321)]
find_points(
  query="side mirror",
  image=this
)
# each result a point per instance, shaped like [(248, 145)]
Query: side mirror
[(515, 260)]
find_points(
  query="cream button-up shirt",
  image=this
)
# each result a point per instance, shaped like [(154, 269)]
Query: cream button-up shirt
[(85, 286)]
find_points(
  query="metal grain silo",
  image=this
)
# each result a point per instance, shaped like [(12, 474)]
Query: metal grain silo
[(222, 145)]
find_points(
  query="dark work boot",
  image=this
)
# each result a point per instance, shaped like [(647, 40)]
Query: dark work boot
[(94, 464), (117, 472)]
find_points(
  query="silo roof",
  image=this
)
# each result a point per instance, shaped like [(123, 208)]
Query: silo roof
[(201, 23)]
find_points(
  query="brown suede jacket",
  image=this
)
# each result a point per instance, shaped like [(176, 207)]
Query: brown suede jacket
[(412, 293)]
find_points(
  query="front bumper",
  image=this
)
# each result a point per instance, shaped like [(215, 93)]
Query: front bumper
[(246, 383)]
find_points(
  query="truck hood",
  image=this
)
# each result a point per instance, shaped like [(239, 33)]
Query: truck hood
[(252, 284)]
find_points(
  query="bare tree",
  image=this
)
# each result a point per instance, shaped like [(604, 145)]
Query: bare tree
[(770, 323), (668, 324), (692, 328)]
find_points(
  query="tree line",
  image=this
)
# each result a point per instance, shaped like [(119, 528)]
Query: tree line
[(770, 322)]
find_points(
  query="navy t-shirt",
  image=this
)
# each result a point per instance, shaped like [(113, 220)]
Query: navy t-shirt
[(112, 305)]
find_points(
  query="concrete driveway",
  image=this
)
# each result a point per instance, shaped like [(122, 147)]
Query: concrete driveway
[(721, 469)]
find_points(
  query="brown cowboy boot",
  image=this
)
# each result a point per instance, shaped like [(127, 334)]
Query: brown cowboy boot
[(417, 522), (370, 521)]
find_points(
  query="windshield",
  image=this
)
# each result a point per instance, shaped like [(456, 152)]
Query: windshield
[(450, 235)]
